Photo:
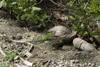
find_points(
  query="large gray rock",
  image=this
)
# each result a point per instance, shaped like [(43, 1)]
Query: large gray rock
[(63, 33), (82, 44)]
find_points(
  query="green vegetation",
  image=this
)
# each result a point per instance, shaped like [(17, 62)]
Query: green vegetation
[(34, 65), (4, 64), (11, 55), (24, 10), (84, 14), (45, 38)]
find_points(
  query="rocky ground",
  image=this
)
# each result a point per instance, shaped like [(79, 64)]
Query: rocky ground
[(14, 35)]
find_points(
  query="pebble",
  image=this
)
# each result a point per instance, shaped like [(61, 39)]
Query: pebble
[(89, 64), (93, 64), (17, 61), (69, 49), (85, 64), (1, 20), (74, 61), (54, 63), (60, 62), (45, 52)]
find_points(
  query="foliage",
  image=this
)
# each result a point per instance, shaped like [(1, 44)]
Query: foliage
[(45, 38), (4, 64), (11, 54), (95, 8), (34, 65), (84, 14), (81, 15), (24, 10)]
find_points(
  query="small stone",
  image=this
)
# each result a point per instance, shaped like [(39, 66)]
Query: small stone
[(60, 65), (93, 64), (77, 66), (1, 20), (60, 62), (89, 64), (85, 64), (75, 61), (69, 49), (54, 63), (17, 61), (16, 37), (4, 46), (32, 38), (16, 58), (45, 52)]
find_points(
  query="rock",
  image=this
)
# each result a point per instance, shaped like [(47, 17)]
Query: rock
[(98, 26), (16, 37), (82, 44), (68, 37), (58, 15), (97, 38), (59, 30), (85, 63), (89, 64), (63, 33)]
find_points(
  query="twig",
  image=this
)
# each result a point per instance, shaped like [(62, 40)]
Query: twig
[(85, 5), (27, 53), (26, 43), (66, 6), (38, 3), (56, 3), (16, 41), (25, 61), (61, 1), (17, 65), (46, 65), (2, 52), (73, 2)]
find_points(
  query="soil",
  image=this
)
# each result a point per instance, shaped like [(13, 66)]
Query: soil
[(60, 54)]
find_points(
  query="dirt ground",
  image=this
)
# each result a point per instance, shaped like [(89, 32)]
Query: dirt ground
[(59, 54)]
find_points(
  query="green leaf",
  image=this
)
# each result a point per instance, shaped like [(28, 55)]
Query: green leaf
[(33, 21), (96, 33), (46, 37), (44, 16), (36, 8), (41, 39), (94, 44), (5, 4), (74, 26), (90, 23), (20, 8), (37, 17), (13, 3), (28, 17), (23, 17), (85, 33), (18, 17), (43, 23), (1, 3), (97, 18), (77, 17), (97, 14), (71, 17), (77, 25), (70, 3), (73, 10)]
